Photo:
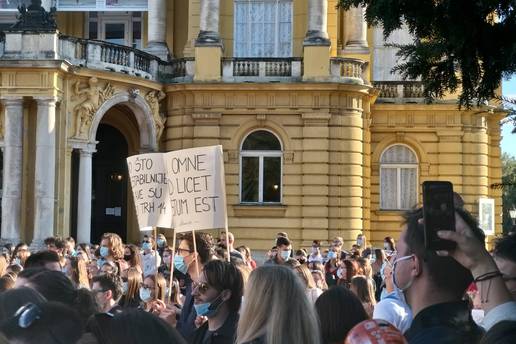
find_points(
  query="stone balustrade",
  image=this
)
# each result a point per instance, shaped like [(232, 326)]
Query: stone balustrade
[(261, 69), (349, 70), (397, 91)]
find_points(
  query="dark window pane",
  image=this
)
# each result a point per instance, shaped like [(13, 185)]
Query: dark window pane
[(250, 167), (137, 34), (272, 179), (261, 140), (93, 30), (115, 33)]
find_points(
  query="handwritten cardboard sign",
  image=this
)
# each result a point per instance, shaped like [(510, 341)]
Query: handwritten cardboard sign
[(184, 189)]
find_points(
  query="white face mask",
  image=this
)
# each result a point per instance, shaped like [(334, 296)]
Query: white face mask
[(386, 246), (339, 273), (360, 242), (285, 254)]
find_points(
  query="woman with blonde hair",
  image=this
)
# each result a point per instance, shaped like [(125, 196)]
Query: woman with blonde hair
[(364, 290), (151, 290), (276, 310), (312, 292), (77, 270), (132, 282)]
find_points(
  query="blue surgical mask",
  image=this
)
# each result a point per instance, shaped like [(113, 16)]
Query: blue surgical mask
[(147, 246), (145, 294), (202, 308), (160, 242), (179, 264), (125, 287), (64, 270), (209, 309), (74, 253), (285, 254), (104, 251), (332, 255)]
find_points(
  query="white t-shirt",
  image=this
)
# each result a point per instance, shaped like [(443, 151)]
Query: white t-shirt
[(394, 311), (313, 294)]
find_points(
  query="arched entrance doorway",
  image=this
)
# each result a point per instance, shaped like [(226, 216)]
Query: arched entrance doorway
[(109, 184)]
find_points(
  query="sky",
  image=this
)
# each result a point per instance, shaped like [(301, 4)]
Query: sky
[(509, 140)]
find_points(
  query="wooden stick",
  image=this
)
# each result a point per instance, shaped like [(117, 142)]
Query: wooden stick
[(196, 255), (156, 254), (227, 241), (171, 282)]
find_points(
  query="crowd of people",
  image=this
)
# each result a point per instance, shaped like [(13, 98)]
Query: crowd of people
[(210, 291)]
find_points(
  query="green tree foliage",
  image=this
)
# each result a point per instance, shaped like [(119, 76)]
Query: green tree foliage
[(509, 188), (459, 45)]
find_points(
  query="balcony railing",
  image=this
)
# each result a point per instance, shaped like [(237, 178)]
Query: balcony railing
[(345, 69), (261, 69), (178, 70), (394, 91)]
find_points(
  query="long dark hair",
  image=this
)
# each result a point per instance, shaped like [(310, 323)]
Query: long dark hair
[(339, 310)]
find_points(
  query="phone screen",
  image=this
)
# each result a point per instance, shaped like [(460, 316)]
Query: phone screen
[(438, 213)]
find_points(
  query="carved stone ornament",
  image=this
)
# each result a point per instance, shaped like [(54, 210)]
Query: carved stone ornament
[(153, 98), (133, 93), (94, 96)]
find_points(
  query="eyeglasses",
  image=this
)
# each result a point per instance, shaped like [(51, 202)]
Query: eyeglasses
[(180, 250), (201, 287)]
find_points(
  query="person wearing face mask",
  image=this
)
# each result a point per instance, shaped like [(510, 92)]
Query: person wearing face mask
[(361, 242), (391, 307), (388, 245), (505, 258), (132, 256), (166, 262), (161, 244), (151, 291), (218, 295), (151, 260), (315, 252), (112, 250), (301, 256), (331, 267), (284, 251), (434, 285), (189, 262), (131, 288)]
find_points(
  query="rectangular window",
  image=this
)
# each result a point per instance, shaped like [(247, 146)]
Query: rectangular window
[(101, 5), (116, 27), (250, 179), (263, 28), (272, 179)]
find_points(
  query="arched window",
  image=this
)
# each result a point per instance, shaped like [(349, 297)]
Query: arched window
[(260, 168), (398, 178)]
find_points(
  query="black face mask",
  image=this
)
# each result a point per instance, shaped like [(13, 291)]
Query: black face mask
[(128, 257)]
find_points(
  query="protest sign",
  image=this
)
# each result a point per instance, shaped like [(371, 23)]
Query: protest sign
[(150, 192), (196, 188), (184, 189)]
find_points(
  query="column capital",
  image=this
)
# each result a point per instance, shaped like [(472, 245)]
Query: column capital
[(12, 101), (46, 100), (87, 152)]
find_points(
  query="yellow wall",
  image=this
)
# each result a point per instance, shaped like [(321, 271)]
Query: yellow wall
[(71, 23)]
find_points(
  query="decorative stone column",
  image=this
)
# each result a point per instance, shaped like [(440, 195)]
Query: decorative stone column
[(316, 46), (208, 46), (84, 196), (157, 28), (356, 31), (12, 169), (44, 186)]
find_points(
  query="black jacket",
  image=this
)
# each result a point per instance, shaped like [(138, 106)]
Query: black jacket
[(226, 334)]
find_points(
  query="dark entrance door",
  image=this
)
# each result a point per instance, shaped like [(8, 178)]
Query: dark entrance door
[(109, 194)]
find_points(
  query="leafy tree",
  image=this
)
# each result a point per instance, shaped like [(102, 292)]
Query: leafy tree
[(509, 188), (459, 45)]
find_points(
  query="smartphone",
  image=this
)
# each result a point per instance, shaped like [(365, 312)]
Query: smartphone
[(438, 213)]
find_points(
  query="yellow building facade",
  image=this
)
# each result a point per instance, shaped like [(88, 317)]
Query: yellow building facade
[(320, 139)]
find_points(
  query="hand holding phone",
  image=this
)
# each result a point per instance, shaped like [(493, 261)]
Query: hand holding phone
[(438, 214)]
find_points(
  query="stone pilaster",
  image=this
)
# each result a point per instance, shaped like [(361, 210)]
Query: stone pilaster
[(315, 182), (12, 170), (84, 196), (206, 129), (44, 192)]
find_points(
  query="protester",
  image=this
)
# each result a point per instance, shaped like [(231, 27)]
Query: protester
[(109, 267), (70, 247), (388, 245), (363, 289), (339, 310), (20, 254), (301, 256), (107, 290), (151, 260), (166, 262), (285, 316), (361, 242), (44, 259), (55, 286), (377, 266), (151, 290), (311, 289), (7, 281), (131, 288), (77, 270), (229, 245), (315, 254), (318, 276), (132, 256), (246, 253), (83, 250), (283, 252), (12, 300), (433, 287), (218, 295), (374, 332), (505, 257), (191, 263), (3, 265), (161, 243), (347, 270), (392, 307), (112, 250), (47, 323), (332, 266)]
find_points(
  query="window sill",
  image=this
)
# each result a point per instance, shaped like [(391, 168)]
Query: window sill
[(259, 210), (391, 212)]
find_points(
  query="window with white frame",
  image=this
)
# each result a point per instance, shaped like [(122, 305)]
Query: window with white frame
[(263, 28), (123, 28), (260, 168), (101, 5), (398, 178)]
